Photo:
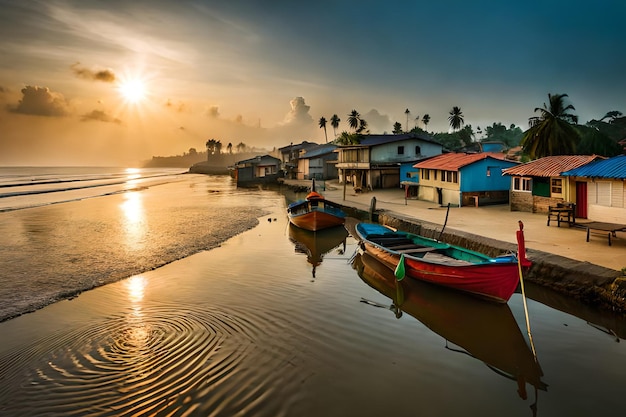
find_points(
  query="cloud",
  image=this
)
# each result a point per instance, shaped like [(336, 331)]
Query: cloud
[(179, 107), (40, 101), (213, 112), (103, 74), (378, 122), (299, 113), (100, 116)]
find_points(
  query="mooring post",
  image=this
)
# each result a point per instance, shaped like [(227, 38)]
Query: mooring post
[(372, 208)]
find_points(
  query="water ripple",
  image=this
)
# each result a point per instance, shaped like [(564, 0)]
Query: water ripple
[(153, 360)]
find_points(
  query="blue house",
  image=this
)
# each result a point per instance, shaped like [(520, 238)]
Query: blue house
[(463, 179)]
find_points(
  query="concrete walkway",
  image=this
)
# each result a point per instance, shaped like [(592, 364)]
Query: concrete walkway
[(496, 222)]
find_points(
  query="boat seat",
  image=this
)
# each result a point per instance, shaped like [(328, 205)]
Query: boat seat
[(417, 250), (400, 247)]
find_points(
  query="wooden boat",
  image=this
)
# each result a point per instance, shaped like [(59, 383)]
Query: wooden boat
[(487, 332), (315, 212), (440, 263), (317, 244)]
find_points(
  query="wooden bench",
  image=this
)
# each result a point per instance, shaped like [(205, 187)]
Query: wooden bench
[(599, 227), (562, 212)]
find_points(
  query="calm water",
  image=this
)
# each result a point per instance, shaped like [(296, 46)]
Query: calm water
[(272, 322)]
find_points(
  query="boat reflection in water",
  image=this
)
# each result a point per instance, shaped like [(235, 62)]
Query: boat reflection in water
[(317, 244), (486, 331)]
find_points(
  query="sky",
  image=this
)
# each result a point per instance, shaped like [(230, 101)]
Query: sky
[(115, 82)]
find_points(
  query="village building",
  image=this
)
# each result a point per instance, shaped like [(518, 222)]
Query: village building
[(289, 156), (384, 161), (262, 169), (601, 189), (319, 162), (538, 185), (464, 179)]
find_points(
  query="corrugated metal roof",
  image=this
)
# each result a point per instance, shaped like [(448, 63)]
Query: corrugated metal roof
[(550, 166), (319, 151), (455, 161), (614, 168)]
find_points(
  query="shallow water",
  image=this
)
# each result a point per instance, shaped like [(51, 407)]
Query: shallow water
[(247, 329)]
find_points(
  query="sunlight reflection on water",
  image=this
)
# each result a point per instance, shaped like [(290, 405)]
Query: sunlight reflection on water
[(133, 220)]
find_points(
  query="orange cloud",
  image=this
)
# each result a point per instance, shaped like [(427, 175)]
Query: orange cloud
[(40, 101), (104, 74)]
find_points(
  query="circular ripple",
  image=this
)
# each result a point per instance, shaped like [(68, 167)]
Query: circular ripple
[(153, 360)]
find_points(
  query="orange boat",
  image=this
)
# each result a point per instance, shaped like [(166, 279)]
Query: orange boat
[(315, 213)]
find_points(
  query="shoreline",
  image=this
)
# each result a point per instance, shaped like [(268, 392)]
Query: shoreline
[(590, 272)]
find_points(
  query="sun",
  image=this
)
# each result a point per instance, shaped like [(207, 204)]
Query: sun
[(132, 90)]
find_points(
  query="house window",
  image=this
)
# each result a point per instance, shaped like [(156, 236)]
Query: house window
[(418, 150), (400, 150), (521, 184), (556, 186), (425, 174)]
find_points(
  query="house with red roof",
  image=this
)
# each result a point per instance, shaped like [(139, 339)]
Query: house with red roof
[(539, 184), (464, 179)]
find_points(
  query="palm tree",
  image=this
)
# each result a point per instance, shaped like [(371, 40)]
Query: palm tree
[(407, 112), (334, 122), (322, 124), (241, 147), (552, 132), (211, 145), (612, 115), (426, 120), (229, 147), (417, 119), (354, 119), (456, 118)]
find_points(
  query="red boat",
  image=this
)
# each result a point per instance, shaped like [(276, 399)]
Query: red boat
[(485, 331), (494, 278), (315, 213)]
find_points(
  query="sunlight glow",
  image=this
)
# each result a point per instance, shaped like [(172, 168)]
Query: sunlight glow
[(133, 90), (132, 173)]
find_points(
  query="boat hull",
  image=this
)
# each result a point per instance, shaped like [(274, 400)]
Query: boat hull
[(316, 220), (493, 278)]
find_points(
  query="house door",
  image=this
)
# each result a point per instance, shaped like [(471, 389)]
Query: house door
[(581, 200)]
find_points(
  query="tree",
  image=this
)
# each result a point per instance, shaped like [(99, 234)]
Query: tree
[(407, 112), (211, 145), (322, 124), (498, 132), (612, 115), (241, 147), (595, 142), (334, 122), (397, 128), (229, 148), (346, 138), (552, 132), (417, 119), (456, 118), (353, 120), (426, 120)]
